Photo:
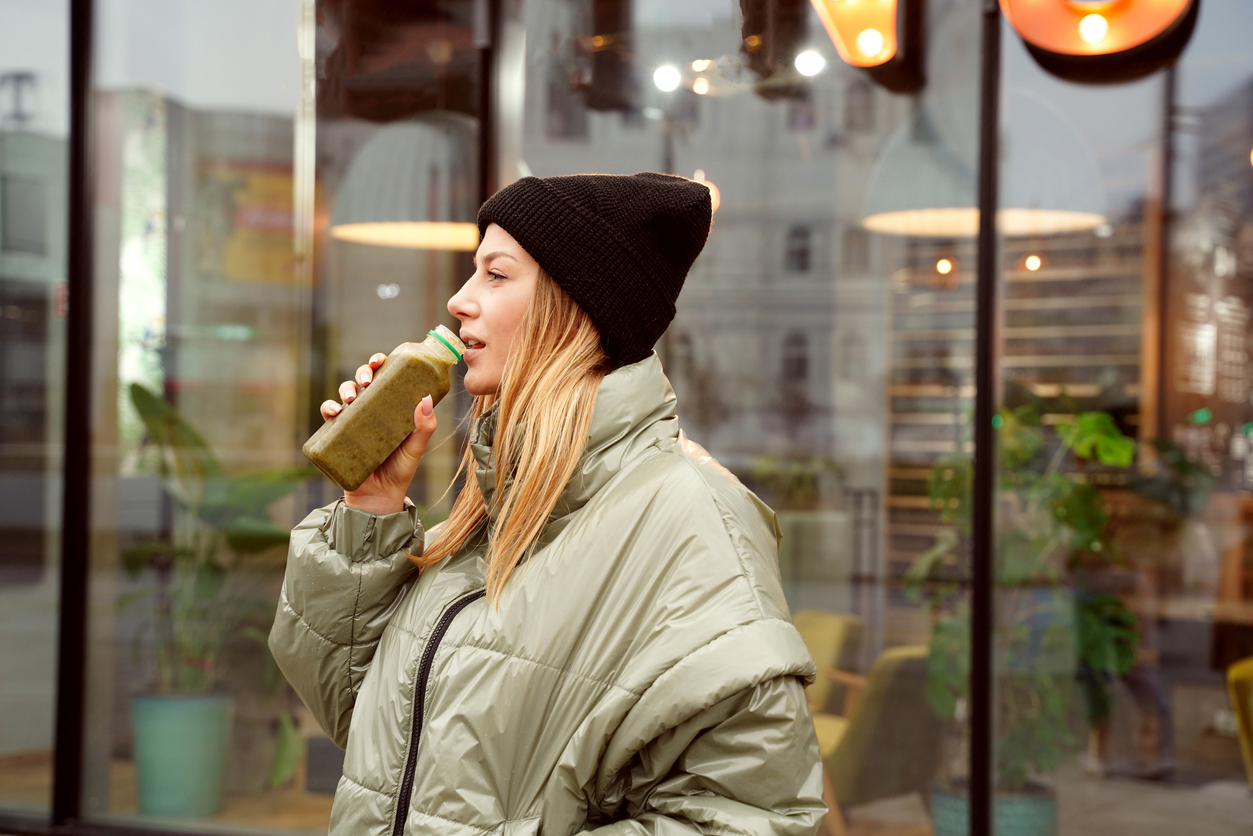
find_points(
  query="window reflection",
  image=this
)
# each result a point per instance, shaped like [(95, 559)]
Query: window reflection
[(1125, 401), (798, 243), (286, 188), (33, 183)]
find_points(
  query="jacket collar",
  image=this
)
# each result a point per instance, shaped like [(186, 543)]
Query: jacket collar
[(635, 409)]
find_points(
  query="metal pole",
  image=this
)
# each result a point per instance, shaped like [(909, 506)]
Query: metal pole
[(1163, 247), (76, 498), (983, 567)]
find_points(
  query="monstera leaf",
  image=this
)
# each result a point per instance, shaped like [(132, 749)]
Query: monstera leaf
[(186, 463), (1094, 435), (238, 506), (234, 505)]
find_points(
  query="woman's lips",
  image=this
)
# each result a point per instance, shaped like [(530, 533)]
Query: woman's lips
[(473, 351)]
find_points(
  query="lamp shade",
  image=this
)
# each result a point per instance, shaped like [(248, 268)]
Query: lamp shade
[(1103, 41), (412, 185), (922, 186)]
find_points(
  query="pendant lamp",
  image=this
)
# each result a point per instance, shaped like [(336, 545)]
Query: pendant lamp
[(926, 179), (882, 37), (412, 185), (1103, 41)]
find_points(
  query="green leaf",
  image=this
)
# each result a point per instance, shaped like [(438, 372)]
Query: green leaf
[(253, 534), (1095, 435), (923, 564), (288, 751), (186, 463), (251, 493), (1020, 436), (139, 557)]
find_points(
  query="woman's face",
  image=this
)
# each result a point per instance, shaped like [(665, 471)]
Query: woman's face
[(491, 305)]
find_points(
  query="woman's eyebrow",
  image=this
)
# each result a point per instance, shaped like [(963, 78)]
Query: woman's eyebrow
[(486, 258)]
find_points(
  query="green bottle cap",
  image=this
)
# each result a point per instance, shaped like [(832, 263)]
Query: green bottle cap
[(449, 339)]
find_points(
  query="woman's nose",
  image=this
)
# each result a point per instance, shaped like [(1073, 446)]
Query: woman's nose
[(460, 303)]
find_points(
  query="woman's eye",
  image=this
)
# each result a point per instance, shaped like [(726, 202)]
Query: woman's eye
[(496, 276)]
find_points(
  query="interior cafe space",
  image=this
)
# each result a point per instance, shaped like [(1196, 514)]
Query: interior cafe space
[(974, 318)]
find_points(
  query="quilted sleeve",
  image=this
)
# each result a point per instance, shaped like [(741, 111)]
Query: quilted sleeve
[(346, 571), (747, 765)]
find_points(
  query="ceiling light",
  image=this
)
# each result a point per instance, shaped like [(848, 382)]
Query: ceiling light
[(700, 86), (944, 267), (864, 33), (810, 63), (870, 43), (1093, 29), (667, 78), (1032, 262), (411, 185), (924, 186), (701, 64), (413, 235), (1101, 41)]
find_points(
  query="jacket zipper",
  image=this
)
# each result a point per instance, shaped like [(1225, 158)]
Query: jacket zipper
[(419, 701)]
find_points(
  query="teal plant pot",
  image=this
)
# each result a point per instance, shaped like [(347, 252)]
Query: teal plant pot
[(180, 749), (1028, 814)]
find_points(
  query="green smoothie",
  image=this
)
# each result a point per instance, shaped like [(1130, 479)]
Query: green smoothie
[(351, 446)]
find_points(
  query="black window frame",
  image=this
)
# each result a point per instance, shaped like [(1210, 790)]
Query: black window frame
[(65, 815)]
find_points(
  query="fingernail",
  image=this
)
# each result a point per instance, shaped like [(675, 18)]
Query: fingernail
[(336, 409), (428, 406), (366, 378)]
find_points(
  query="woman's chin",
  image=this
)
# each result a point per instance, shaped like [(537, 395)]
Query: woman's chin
[(477, 385)]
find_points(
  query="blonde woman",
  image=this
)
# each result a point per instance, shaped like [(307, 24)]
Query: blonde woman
[(596, 639)]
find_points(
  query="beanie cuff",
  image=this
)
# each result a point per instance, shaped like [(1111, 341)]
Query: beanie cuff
[(544, 218), (619, 245)]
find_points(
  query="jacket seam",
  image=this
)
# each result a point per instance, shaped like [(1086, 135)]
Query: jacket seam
[(357, 783), (307, 625), (722, 518), (480, 828), (352, 626), (703, 648), (559, 671)]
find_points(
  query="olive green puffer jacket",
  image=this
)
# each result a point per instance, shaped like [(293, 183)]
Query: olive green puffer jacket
[(640, 674)]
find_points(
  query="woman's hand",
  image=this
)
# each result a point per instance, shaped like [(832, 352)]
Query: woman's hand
[(383, 492)]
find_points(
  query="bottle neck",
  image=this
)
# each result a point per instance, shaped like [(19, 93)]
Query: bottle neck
[(439, 350), (446, 343)]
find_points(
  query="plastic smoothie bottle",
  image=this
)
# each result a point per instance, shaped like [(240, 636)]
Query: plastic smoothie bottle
[(351, 446)]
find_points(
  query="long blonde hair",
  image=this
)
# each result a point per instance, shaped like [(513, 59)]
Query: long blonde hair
[(547, 394)]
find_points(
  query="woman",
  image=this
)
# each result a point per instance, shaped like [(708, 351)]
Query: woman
[(596, 638)]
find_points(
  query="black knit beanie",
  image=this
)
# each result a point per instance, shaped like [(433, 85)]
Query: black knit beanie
[(620, 245)]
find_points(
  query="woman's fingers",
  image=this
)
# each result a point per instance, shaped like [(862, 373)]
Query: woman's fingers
[(423, 428), (365, 374), (349, 389)]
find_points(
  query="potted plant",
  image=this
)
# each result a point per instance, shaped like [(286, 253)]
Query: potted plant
[(199, 594), (1049, 517)]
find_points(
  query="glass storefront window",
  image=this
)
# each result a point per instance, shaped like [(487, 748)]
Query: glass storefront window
[(827, 365), (1121, 604), (33, 183), (284, 188)]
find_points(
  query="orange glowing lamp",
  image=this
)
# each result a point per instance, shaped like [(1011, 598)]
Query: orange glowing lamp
[(883, 37), (1102, 40), (863, 31)]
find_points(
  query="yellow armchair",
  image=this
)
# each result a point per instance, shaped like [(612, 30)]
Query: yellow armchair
[(1240, 686)]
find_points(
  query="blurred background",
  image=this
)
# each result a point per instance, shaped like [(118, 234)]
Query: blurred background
[(280, 188)]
